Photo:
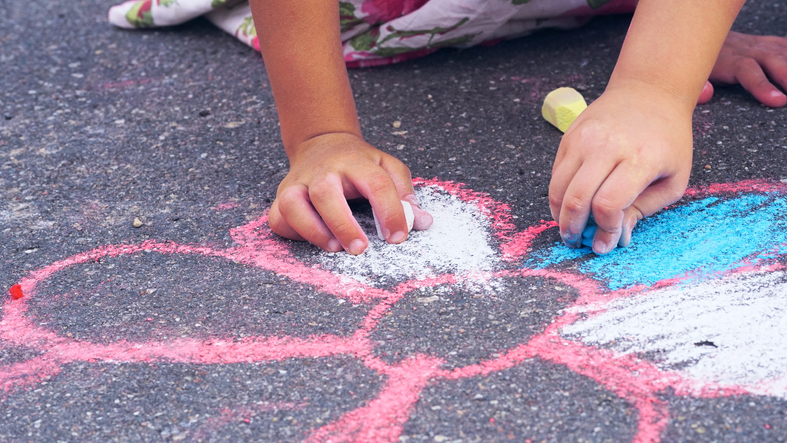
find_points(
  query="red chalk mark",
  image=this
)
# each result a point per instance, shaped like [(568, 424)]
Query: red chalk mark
[(259, 248), (227, 205), (742, 186), (21, 375), (382, 419), (16, 292), (498, 213), (519, 244)]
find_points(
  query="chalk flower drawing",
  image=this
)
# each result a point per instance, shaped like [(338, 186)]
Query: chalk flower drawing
[(711, 294)]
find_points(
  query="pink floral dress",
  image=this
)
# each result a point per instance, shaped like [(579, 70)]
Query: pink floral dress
[(377, 32)]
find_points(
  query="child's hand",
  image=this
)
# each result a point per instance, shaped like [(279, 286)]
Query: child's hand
[(311, 203), (756, 62), (626, 156)]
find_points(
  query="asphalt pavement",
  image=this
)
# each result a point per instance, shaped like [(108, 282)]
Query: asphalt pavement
[(136, 168)]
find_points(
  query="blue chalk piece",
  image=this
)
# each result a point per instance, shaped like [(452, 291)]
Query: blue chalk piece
[(587, 241), (589, 231), (703, 237)]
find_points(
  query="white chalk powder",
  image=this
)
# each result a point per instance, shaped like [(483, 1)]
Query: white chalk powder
[(458, 241), (744, 315)]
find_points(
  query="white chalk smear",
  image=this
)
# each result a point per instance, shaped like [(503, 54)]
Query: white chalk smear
[(744, 315), (458, 241)]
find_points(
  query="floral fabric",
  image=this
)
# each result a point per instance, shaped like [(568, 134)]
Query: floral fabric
[(376, 32)]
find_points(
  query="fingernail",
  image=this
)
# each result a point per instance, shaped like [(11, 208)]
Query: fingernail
[(397, 237), (356, 247), (571, 240), (777, 94), (334, 245), (412, 199), (599, 247)]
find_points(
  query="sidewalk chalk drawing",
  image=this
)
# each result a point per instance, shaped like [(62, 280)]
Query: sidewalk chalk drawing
[(702, 289)]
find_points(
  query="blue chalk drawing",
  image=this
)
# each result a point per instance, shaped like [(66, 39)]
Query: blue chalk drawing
[(703, 237)]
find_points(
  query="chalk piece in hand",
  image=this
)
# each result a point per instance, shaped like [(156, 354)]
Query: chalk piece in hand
[(408, 215), (16, 292), (562, 106), (587, 235), (589, 232)]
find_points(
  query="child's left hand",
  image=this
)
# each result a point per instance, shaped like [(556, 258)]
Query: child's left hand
[(756, 62), (625, 157)]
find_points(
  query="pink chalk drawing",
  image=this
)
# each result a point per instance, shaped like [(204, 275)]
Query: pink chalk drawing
[(571, 339)]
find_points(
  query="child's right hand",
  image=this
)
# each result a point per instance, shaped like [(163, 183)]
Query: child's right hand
[(326, 171), (756, 62)]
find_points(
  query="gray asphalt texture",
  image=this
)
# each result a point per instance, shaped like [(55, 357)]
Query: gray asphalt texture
[(99, 125)]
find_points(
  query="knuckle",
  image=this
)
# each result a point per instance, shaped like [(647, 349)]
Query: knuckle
[(314, 235), (674, 194), (764, 82), (589, 134), (604, 208), (379, 183), (574, 204), (320, 187), (341, 228), (289, 196), (405, 173), (277, 223), (555, 201), (746, 64)]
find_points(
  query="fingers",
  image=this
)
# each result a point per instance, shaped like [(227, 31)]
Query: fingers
[(293, 217), (576, 202), (617, 214), (618, 192), (327, 196), (657, 196), (562, 173), (625, 197), (279, 224), (706, 94), (422, 220), (753, 79), (378, 187), (400, 174), (775, 66)]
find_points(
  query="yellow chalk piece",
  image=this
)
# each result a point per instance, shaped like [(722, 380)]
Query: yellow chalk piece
[(562, 106)]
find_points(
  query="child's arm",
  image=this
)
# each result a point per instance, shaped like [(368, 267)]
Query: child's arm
[(629, 153), (329, 161)]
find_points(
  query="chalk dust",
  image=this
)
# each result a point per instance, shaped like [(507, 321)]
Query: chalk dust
[(743, 315), (459, 241)]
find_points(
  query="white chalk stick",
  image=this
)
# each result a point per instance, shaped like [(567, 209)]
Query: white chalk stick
[(408, 215)]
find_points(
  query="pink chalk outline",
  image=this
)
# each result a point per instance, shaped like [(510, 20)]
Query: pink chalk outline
[(381, 419)]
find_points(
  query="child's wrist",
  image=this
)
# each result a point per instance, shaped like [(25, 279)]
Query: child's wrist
[(646, 92), (304, 148)]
